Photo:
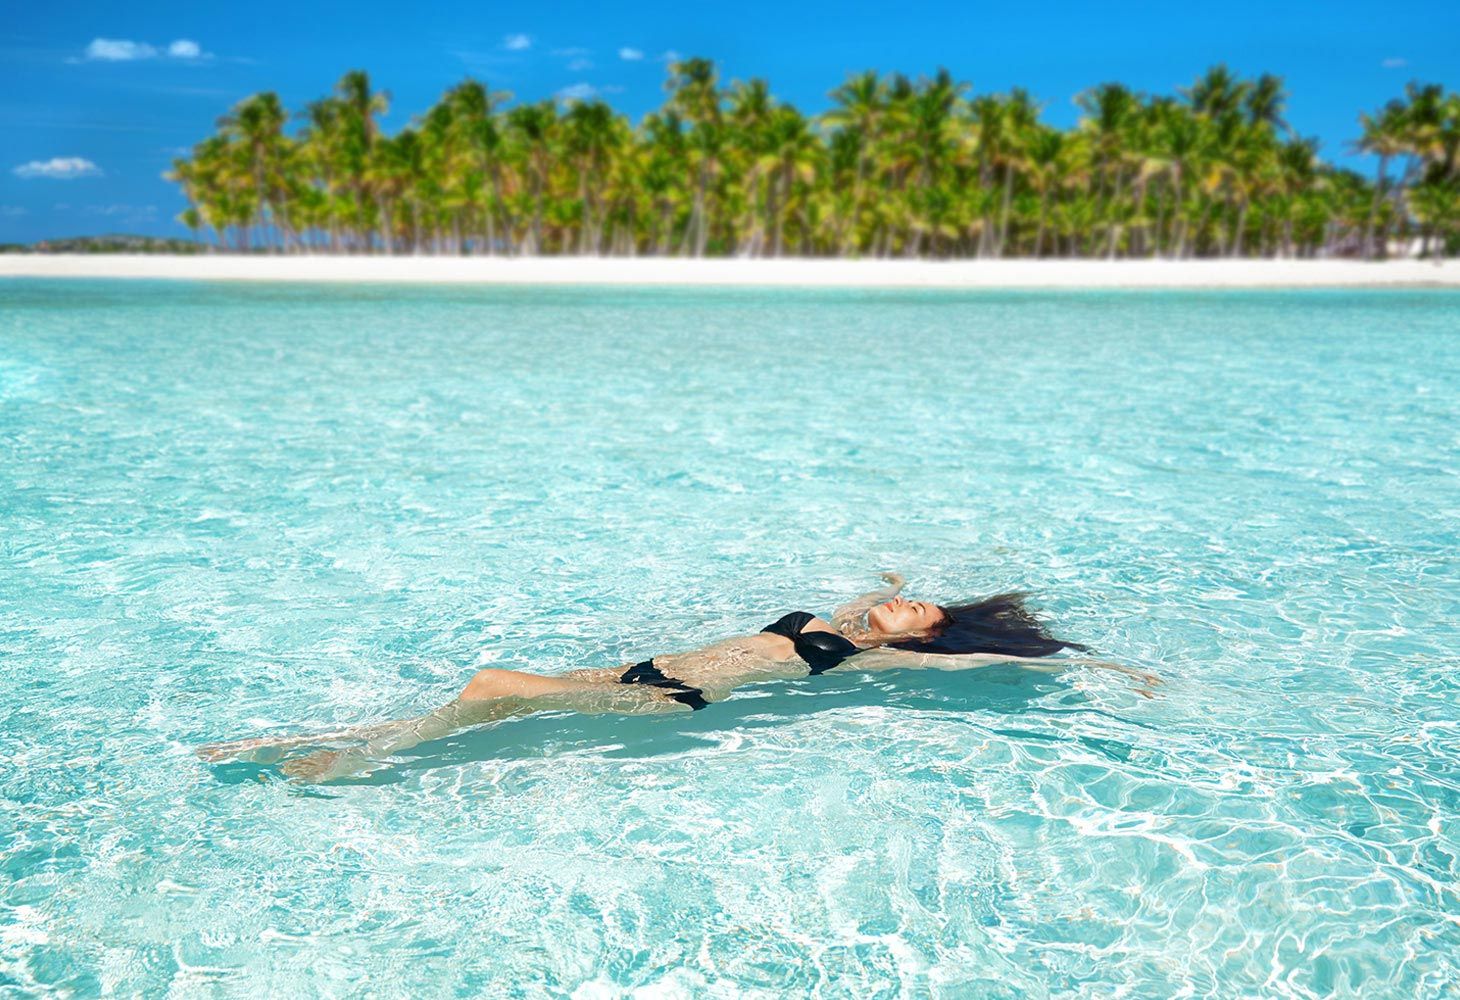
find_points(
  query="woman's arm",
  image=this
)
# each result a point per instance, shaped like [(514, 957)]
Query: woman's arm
[(902, 659), (848, 618)]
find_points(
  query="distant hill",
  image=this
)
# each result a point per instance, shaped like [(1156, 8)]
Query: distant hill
[(107, 243)]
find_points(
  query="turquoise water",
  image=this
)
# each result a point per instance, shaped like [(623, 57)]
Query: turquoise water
[(233, 510)]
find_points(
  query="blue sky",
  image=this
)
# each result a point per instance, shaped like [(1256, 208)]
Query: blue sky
[(96, 98)]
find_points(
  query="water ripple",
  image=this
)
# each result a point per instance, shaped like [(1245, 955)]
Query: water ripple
[(232, 510)]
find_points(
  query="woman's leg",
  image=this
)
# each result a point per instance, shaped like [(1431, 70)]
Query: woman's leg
[(490, 696), (486, 686), (489, 685)]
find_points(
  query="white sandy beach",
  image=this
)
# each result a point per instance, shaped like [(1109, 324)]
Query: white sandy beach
[(821, 273)]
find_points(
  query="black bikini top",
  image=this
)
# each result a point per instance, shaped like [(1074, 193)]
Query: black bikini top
[(821, 650)]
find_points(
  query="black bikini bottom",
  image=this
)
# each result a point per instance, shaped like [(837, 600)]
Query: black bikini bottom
[(647, 673)]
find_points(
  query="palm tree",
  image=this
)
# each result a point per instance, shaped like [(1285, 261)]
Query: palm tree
[(1436, 203), (477, 138), (1217, 93), (1265, 103), (1046, 148), (750, 115), (533, 128), (665, 150), (1110, 111), (693, 86), (794, 150), (318, 142), (1384, 135), (1021, 117), (256, 126), (929, 120), (894, 167), (589, 141), (357, 108), (859, 114), (1179, 143)]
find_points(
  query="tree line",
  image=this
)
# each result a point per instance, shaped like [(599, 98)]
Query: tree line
[(895, 168)]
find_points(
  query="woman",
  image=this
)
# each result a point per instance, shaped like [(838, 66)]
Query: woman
[(878, 631)]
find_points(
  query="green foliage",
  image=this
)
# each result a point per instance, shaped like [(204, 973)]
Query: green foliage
[(897, 167), (110, 243)]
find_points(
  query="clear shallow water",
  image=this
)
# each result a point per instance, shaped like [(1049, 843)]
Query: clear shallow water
[(238, 509)]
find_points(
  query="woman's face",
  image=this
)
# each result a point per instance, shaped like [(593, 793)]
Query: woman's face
[(899, 616)]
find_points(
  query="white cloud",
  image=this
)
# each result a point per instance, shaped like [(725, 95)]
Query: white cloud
[(61, 168), (125, 50), (517, 43), (118, 50), (577, 92), (1394, 62), (669, 55), (130, 211), (578, 65), (630, 55)]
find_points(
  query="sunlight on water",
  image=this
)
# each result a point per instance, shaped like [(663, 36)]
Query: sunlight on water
[(231, 510)]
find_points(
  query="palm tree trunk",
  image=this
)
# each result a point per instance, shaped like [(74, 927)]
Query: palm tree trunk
[(1368, 238), (1238, 229), (1004, 209), (986, 227), (1112, 235), (849, 234), (777, 210), (536, 238), (1178, 214), (1158, 232), (1043, 216), (666, 222), (489, 208), (383, 205), (584, 222), (702, 234), (1138, 233)]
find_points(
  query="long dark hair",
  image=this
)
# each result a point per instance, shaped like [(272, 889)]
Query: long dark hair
[(998, 624)]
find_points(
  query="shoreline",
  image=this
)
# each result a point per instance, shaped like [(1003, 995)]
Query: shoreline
[(739, 272)]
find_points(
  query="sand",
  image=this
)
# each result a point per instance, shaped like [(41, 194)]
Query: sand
[(799, 272)]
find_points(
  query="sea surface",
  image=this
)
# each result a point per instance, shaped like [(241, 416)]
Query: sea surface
[(229, 510)]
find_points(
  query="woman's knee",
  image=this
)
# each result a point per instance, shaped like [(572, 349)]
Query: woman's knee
[(492, 683)]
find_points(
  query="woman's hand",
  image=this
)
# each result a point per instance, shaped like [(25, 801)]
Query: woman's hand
[(1145, 677), (847, 619)]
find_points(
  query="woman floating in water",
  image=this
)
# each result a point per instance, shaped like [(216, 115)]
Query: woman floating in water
[(878, 631)]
